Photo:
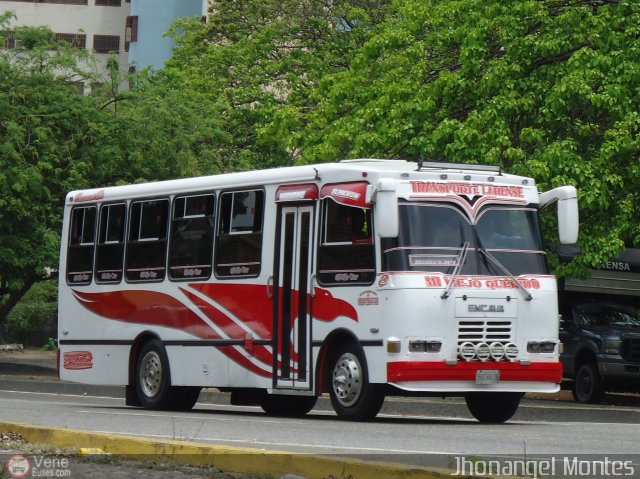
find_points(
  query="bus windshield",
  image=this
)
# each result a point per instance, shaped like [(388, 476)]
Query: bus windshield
[(431, 237)]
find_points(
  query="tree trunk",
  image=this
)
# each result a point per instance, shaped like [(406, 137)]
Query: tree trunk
[(15, 297)]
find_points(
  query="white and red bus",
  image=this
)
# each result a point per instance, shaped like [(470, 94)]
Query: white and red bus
[(359, 279)]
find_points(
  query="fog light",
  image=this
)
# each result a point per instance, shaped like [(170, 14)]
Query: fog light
[(467, 351), (511, 352), (483, 352), (497, 351)]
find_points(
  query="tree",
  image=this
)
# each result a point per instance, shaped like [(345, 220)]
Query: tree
[(545, 88), (54, 139), (41, 131), (260, 59)]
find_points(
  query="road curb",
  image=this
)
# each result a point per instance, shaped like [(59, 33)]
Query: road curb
[(226, 458)]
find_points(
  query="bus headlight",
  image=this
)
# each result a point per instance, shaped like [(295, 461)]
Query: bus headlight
[(538, 347), (424, 346)]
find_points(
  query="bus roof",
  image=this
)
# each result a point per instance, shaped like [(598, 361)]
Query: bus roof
[(348, 170)]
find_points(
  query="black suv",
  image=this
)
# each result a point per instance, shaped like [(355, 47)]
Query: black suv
[(601, 338)]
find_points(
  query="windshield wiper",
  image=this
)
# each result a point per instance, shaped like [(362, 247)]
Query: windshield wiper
[(456, 271), (504, 270)]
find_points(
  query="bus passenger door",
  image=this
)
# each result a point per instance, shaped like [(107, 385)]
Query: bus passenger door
[(293, 267)]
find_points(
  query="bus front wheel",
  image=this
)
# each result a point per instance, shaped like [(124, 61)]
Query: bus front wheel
[(353, 397), (493, 407), (153, 380)]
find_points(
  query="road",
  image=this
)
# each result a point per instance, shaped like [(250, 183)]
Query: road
[(428, 432)]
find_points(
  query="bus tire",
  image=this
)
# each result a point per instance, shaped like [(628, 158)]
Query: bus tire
[(353, 397), (493, 407), (588, 386), (153, 378), (287, 406), (185, 397)]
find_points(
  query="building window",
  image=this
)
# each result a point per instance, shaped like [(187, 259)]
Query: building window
[(106, 43), (61, 2), (11, 42), (108, 3), (130, 31), (77, 40)]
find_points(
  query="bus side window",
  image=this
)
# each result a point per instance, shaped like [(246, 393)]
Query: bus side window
[(191, 245), (147, 242), (239, 237), (81, 245), (346, 254), (110, 248)]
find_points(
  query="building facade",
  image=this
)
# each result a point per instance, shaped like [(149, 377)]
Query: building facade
[(97, 25), (150, 20), (133, 30)]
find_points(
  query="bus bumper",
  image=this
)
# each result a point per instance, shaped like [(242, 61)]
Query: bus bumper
[(475, 376)]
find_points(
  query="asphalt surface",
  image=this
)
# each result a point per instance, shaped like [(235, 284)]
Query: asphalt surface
[(34, 371)]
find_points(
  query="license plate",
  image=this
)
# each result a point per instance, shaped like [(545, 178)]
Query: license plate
[(487, 376)]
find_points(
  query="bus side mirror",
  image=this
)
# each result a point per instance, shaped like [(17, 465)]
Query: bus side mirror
[(568, 218), (385, 209)]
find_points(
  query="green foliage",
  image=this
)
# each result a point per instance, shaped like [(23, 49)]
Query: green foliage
[(37, 310), (54, 139), (544, 88), (50, 345), (259, 60)]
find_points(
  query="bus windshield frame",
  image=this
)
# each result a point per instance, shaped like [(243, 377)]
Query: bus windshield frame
[(432, 236)]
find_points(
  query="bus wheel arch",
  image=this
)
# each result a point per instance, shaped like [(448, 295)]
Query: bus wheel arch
[(333, 341), (346, 378), (153, 376), (132, 398)]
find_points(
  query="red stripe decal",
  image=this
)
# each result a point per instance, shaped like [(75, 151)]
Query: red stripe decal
[(231, 329), (400, 371), (327, 308), (159, 309), (146, 307), (248, 302)]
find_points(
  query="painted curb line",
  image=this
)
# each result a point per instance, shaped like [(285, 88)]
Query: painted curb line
[(226, 458)]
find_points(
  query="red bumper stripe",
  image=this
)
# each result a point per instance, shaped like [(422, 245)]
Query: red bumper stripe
[(401, 371)]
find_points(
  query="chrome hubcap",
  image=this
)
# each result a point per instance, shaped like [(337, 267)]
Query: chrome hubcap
[(150, 375), (347, 379)]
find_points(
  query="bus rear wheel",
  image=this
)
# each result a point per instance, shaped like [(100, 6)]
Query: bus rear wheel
[(153, 379), (493, 407), (353, 397)]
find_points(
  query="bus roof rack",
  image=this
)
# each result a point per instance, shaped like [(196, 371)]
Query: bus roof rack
[(458, 166)]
